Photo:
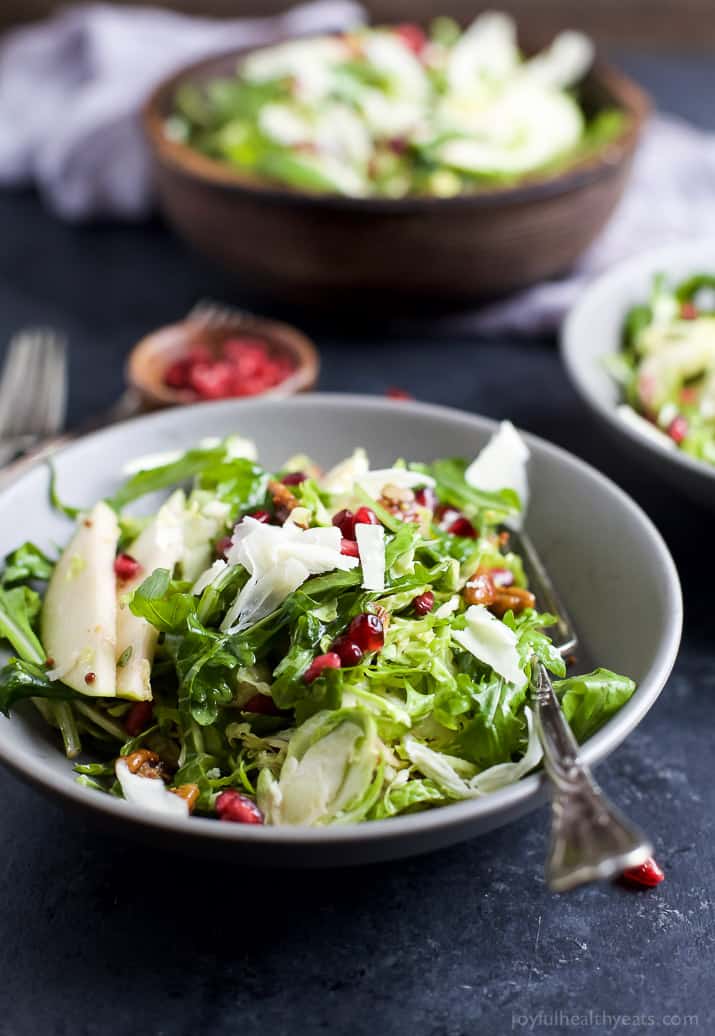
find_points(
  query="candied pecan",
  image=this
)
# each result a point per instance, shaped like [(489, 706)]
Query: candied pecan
[(480, 588), (146, 764), (283, 499), (512, 598), (188, 792)]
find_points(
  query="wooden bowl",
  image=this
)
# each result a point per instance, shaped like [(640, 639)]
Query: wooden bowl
[(150, 358), (330, 250)]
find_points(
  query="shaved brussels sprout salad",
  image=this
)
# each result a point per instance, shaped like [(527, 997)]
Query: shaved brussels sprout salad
[(295, 647), (667, 366), (394, 111)]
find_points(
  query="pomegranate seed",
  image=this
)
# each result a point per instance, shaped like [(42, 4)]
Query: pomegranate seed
[(366, 516), (239, 809), (348, 651), (223, 546), (501, 577), (200, 353), (329, 661), (177, 374), (463, 527), (426, 497), (367, 631), (648, 874), (212, 380), (126, 567), (260, 516), (678, 429), (345, 521), (294, 478), (262, 705), (398, 393), (688, 311), (138, 718), (412, 36), (424, 603), (349, 548)]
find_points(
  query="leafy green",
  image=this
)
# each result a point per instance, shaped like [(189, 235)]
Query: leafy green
[(19, 608), (165, 476), (20, 680), (163, 602), (453, 489), (589, 701), (26, 563)]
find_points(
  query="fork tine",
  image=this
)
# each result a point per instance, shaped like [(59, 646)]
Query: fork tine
[(20, 385), (15, 362), (214, 314)]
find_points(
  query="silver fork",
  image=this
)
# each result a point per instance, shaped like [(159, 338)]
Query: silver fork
[(33, 391), (591, 840), (214, 314)]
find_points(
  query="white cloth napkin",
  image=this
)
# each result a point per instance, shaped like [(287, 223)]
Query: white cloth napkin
[(71, 88)]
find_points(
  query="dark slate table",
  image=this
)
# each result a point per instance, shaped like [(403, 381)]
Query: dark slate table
[(102, 936)]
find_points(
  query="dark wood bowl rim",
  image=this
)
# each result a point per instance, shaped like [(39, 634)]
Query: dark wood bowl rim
[(628, 96)]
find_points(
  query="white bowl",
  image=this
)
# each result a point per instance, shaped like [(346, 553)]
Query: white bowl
[(592, 331), (610, 564)]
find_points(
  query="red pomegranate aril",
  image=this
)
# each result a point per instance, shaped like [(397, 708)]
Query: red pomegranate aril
[(463, 527), (399, 394), (648, 874), (426, 497), (688, 311), (367, 631), (423, 603), (126, 567), (345, 521), (366, 516), (331, 660), (212, 380), (294, 478), (223, 546), (260, 516), (501, 577), (349, 548), (678, 429), (412, 36), (262, 705), (231, 805), (349, 652), (138, 718), (177, 374), (445, 516)]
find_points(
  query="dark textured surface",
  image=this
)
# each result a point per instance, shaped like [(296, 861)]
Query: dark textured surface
[(101, 936)]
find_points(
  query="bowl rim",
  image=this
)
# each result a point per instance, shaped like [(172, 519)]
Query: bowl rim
[(516, 797), (630, 98), (289, 338), (576, 326)]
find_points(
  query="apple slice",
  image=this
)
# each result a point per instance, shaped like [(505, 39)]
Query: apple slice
[(159, 545), (79, 615)]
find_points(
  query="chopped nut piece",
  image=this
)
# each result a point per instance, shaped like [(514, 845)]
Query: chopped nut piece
[(480, 588), (384, 617), (283, 499), (512, 598), (188, 792), (146, 764)]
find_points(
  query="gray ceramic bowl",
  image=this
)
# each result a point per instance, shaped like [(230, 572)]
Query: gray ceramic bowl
[(592, 330), (609, 562)]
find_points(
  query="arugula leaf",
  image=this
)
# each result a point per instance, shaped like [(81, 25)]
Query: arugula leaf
[(590, 700), (495, 732), (55, 502), (26, 563), (20, 680), (453, 489), (166, 475), (19, 608), (163, 602)]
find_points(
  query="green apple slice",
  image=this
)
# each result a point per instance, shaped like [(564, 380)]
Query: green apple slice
[(79, 615), (159, 545)]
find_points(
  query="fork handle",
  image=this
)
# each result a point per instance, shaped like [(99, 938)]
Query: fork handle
[(590, 839)]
